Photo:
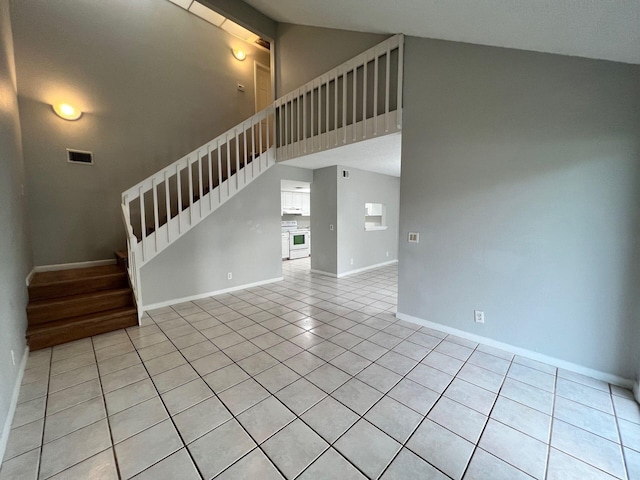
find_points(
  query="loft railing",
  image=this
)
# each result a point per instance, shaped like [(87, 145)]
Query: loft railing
[(360, 99)]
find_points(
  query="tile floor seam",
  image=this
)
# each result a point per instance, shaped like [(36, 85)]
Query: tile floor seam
[(622, 447), (551, 426), (44, 423), (104, 403), (477, 443), (170, 418)]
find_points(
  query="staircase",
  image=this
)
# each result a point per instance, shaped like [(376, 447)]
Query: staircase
[(67, 305), (356, 101)]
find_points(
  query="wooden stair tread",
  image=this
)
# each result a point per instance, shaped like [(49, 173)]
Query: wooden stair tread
[(83, 326), (52, 302), (74, 321), (67, 305), (74, 274), (62, 281)]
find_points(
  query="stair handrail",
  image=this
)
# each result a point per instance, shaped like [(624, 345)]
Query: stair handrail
[(133, 192)]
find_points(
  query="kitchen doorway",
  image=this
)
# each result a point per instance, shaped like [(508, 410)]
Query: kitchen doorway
[(295, 202)]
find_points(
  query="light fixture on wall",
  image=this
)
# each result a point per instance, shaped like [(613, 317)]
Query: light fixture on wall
[(239, 54), (66, 111)]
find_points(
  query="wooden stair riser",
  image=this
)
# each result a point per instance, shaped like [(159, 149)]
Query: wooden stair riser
[(58, 309), (76, 330), (77, 286)]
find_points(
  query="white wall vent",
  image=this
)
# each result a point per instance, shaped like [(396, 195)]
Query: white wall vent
[(79, 156), (345, 173)]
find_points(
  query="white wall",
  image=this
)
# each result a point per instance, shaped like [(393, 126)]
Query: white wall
[(324, 213), (521, 171), (340, 202), (154, 81), (15, 244), (366, 248), (241, 237)]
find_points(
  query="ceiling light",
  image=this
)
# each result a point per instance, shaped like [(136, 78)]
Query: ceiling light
[(66, 111), (239, 54)]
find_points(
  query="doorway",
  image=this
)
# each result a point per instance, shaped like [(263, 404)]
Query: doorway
[(262, 85)]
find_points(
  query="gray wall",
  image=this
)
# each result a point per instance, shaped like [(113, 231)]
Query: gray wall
[(521, 171), (324, 212), (241, 237), (303, 53), (366, 248), (155, 82), (15, 245)]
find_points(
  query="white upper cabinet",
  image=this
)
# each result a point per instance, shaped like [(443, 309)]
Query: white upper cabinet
[(299, 202)]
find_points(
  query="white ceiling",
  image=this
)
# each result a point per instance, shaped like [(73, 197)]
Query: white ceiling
[(603, 29), (380, 155)]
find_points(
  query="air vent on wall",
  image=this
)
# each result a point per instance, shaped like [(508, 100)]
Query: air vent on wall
[(345, 173), (79, 156)]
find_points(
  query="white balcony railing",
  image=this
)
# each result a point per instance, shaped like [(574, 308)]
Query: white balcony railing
[(360, 99)]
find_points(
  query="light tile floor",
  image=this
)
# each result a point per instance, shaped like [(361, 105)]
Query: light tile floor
[(310, 378)]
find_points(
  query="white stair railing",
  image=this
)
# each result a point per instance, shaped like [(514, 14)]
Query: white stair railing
[(166, 205), (360, 99)]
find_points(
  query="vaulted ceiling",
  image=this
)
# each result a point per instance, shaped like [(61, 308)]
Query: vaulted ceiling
[(602, 29)]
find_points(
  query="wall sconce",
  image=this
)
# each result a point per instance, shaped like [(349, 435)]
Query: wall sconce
[(66, 111), (239, 54)]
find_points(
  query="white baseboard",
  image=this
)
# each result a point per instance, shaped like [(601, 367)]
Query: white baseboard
[(167, 303), (327, 274), (6, 429), (353, 272), (556, 362), (364, 269), (69, 266)]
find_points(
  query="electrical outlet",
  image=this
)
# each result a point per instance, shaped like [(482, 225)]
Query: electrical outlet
[(351, 262), (229, 276), (414, 237), (478, 316), (240, 87), (387, 254), (13, 357), (331, 227)]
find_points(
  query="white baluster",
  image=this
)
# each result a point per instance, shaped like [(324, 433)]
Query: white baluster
[(156, 214), (386, 90), (167, 201), (400, 79), (143, 224)]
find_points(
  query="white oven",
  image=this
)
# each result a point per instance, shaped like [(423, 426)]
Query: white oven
[(299, 243)]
